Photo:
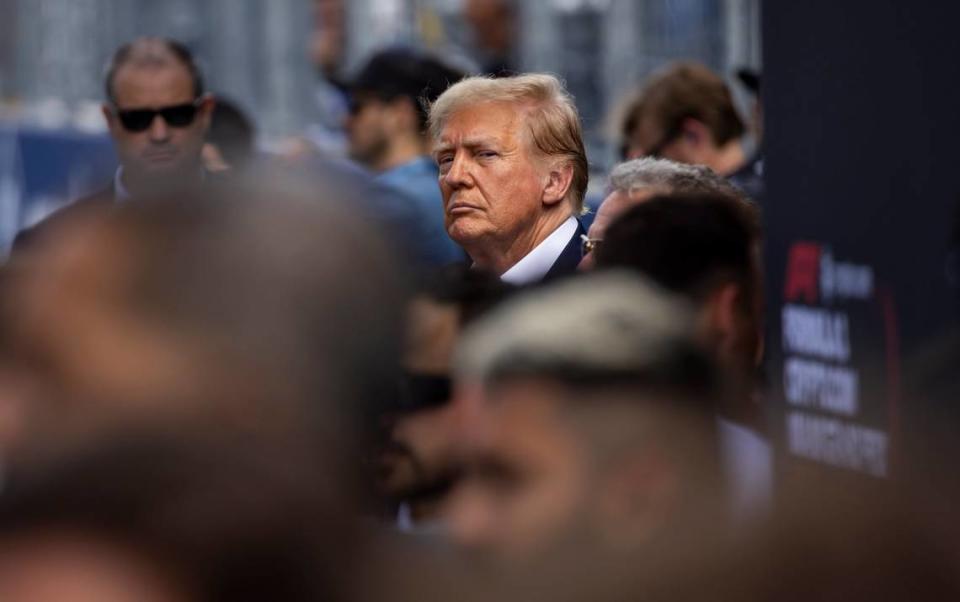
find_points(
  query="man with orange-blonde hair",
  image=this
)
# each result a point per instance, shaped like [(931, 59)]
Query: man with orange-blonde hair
[(513, 173)]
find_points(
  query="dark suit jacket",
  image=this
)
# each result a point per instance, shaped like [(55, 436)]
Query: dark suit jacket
[(569, 259), (566, 264)]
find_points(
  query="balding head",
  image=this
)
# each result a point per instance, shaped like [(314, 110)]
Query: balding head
[(152, 52), (636, 181)]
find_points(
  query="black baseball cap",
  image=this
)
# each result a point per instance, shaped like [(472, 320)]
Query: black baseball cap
[(404, 72)]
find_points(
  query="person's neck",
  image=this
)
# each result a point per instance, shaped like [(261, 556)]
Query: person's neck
[(402, 150), (742, 403), (729, 158), (138, 185), (500, 255)]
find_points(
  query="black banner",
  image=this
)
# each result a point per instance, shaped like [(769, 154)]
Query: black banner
[(862, 106)]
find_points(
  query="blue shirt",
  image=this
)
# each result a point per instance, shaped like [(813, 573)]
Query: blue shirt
[(418, 183)]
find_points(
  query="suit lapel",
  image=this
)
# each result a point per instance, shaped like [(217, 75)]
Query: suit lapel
[(570, 258)]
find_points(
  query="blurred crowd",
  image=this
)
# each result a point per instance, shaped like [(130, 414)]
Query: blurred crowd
[(429, 373)]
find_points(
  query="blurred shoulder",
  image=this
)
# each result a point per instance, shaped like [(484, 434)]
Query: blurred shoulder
[(95, 201)]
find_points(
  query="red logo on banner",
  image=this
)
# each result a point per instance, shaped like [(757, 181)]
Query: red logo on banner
[(803, 272)]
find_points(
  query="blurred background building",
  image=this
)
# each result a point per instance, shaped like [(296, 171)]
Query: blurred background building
[(268, 57), (52, 52)]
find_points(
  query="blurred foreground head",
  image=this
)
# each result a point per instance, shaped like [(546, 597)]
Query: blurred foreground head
[(255, 304), (705, 247), (418, 460), (184, 517), (596, 420), (823, 545)]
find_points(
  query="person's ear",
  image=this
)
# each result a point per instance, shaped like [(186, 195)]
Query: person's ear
[(723, 317), (110, 116), (205, 110), (558, 181)]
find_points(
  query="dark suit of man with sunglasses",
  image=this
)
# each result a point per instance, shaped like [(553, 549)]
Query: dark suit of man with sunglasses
[(158, 116)]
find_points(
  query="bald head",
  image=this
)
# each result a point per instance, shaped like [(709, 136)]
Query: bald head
[(152, 53)]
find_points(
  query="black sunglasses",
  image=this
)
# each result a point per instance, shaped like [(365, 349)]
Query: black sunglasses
[(178, 116)]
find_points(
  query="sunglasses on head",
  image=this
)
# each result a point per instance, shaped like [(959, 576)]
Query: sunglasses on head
[(178, 116)]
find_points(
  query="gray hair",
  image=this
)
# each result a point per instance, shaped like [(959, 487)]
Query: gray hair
[(598, 328), (673, 177)]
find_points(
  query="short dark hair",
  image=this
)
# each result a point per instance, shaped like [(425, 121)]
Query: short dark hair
[(231, 131), (155, 51), (687, 243), (474, 292), (406, 73)]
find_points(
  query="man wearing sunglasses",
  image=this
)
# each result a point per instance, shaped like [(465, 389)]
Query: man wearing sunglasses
[(158, 116)]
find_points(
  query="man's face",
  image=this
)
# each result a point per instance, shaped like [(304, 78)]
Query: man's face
[(527, 482), (421, 451), (612, 207), (162, 149), (368, 130), (491, 182), (421, 442)]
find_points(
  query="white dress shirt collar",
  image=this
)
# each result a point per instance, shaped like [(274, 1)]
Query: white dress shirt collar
[(120, 192), (535, 264)]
